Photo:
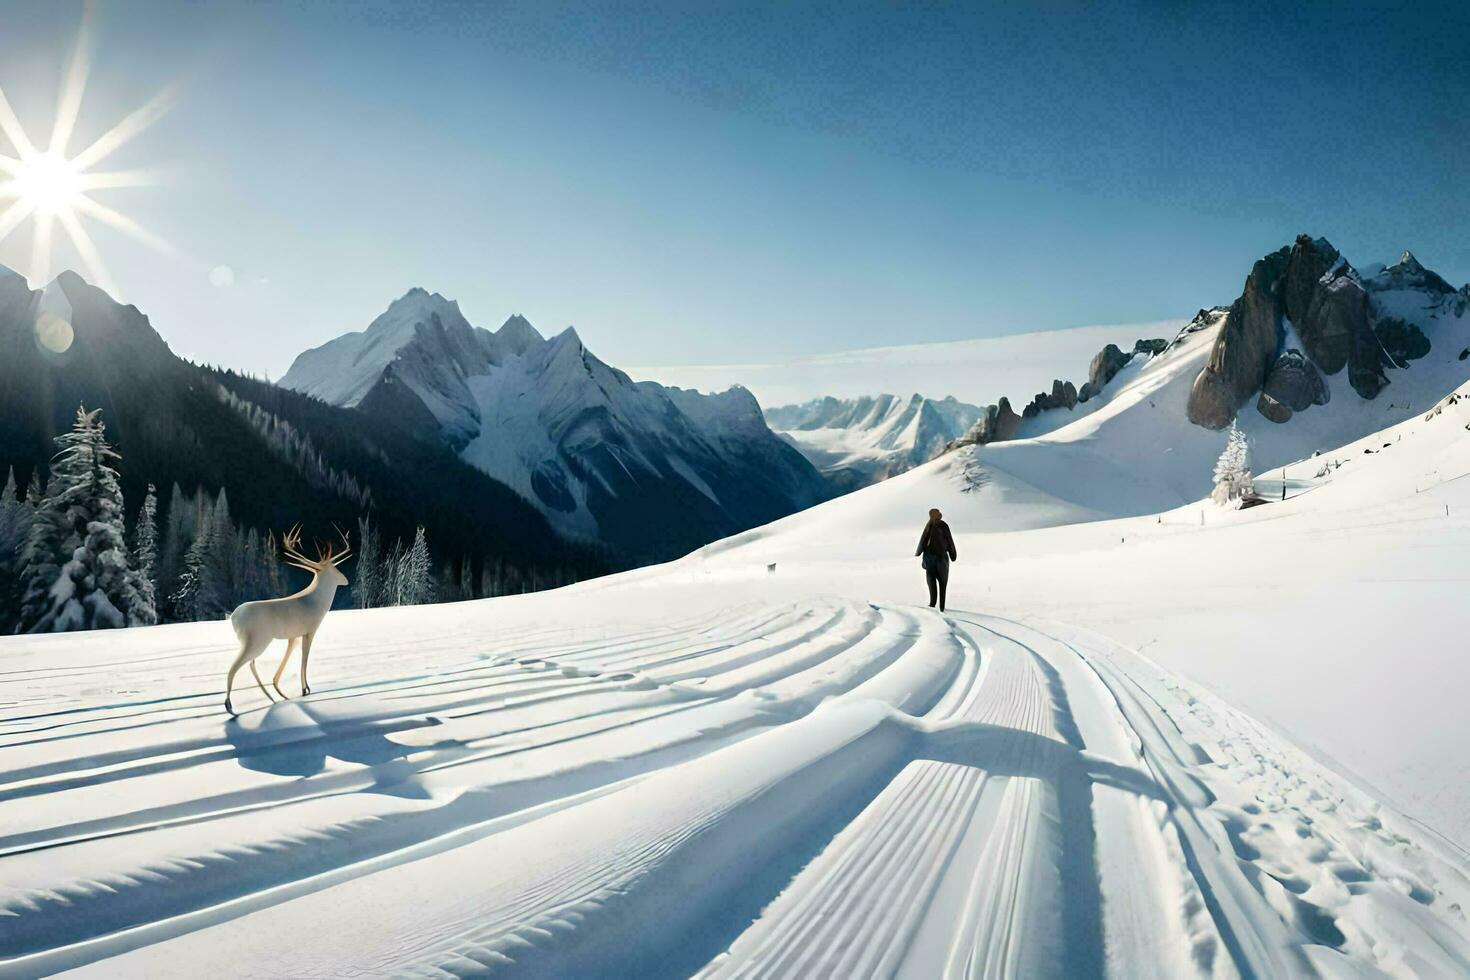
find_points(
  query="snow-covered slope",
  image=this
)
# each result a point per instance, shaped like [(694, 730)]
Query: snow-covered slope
[(648, 471), (858, 441), (1133, 450), (798, 774)]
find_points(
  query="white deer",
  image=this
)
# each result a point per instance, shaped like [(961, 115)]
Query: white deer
[(295, 618)]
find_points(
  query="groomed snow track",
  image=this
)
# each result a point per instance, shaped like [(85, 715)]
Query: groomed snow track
[(822, 789)]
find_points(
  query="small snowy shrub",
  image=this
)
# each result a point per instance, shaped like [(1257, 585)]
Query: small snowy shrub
[(1233, 471)]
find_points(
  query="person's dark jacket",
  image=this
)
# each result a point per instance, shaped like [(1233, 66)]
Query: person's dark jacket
[(936, 540)]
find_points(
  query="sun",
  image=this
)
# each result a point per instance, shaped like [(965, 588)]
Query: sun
[(47, 183), (49, 187)]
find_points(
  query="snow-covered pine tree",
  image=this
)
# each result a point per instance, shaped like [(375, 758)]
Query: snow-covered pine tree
[(390, 591), (40, 559), (368, 585), (35, 490), (416, 573), (145, 562), (184, 599), (219, 568), (15, 531), (178, 532), (78, 575), (1233, 481)]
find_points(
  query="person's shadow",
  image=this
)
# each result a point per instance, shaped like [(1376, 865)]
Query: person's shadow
[(297, 738)]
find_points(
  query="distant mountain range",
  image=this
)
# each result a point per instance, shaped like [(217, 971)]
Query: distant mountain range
[(510, 446), (1305, 314), (646, 471), (859, 441)]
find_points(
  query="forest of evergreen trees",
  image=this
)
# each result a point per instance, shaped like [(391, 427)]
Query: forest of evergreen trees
[(74, 554)]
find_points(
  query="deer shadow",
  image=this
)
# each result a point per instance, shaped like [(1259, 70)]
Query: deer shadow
[(300, 739)]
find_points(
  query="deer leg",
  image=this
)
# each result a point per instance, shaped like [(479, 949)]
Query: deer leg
[(305, 653), (229, 686), (276, 681), (260, 684), (249, 650)]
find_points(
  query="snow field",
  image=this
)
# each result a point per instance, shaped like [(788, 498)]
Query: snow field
[(818, 787)]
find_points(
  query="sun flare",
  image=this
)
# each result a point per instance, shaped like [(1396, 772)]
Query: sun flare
[(46, 186), (47, 183)]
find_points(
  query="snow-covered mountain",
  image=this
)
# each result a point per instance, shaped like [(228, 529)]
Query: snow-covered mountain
[(1373, 351), (858, 441), (649, 471)]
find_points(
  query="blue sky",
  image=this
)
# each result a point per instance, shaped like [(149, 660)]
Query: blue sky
[(707, 182)]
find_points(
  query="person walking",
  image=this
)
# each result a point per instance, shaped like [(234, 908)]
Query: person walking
[(936, 548)]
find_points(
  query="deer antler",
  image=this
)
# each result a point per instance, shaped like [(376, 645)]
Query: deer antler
[(338, 557), (291, 548)]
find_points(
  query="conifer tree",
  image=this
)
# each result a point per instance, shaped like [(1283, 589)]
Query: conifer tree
[(218, 581), (145, 562), (36, 489), (466, 579), (275, 580), (15, 531), (184, 600), (488, 582), (415, 573), (178, 532), (368, 584), (78, 572), (1233, 481)]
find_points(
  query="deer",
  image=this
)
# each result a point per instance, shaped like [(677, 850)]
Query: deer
[(293, 618)]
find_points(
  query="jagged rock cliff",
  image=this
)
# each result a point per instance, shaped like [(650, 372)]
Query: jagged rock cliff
[(1304, 309)]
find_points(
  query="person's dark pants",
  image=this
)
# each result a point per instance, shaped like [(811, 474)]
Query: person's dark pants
[(936, 572)]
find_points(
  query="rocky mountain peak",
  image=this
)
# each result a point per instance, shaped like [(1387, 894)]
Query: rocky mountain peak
[(1408, 263), (1409, 273), (417, 303), (1311, 291), (567, 340), (517, 335)]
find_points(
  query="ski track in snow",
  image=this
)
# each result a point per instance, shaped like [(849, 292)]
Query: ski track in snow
[(827, 788)]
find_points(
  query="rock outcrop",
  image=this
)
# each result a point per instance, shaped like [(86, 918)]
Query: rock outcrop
[(1063, 394), (1401, 340), (1308, 290), (1106, 363), (1244, 350), (1292, 385), (1000, 422)]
